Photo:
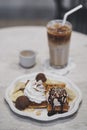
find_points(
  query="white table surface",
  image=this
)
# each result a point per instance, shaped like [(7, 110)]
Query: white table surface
[(15, 39)]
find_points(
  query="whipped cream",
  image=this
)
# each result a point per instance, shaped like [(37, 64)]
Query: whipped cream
[(35, 91)]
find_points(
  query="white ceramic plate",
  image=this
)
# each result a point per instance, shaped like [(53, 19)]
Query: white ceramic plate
[(43, 112)]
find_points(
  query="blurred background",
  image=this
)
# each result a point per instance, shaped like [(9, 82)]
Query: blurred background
[(39, 12)]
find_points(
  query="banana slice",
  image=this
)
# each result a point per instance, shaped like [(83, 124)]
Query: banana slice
[(71, 94), (19, 86), (15, 95)]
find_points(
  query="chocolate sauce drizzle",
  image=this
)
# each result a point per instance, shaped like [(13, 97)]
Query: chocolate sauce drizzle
[(60, 94)]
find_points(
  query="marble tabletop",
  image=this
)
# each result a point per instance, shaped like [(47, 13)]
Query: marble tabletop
[(15, 39)]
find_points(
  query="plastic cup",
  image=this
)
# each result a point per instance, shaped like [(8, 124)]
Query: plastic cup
[(59, 41)]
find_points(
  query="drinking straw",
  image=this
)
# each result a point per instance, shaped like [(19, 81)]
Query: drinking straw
[(70, 12)]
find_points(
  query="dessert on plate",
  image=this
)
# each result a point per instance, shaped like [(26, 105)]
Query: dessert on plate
[(42, 93)]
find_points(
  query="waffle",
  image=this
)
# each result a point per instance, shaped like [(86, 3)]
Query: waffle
[(58, 100), (34, 105), (52, 83)]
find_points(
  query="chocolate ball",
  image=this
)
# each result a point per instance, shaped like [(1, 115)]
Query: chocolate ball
[(41, 76), (22, 102)]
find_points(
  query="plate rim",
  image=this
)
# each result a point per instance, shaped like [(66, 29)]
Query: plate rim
[(56, 116)]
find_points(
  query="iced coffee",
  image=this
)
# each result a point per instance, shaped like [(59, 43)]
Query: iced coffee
[(59, 42)]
